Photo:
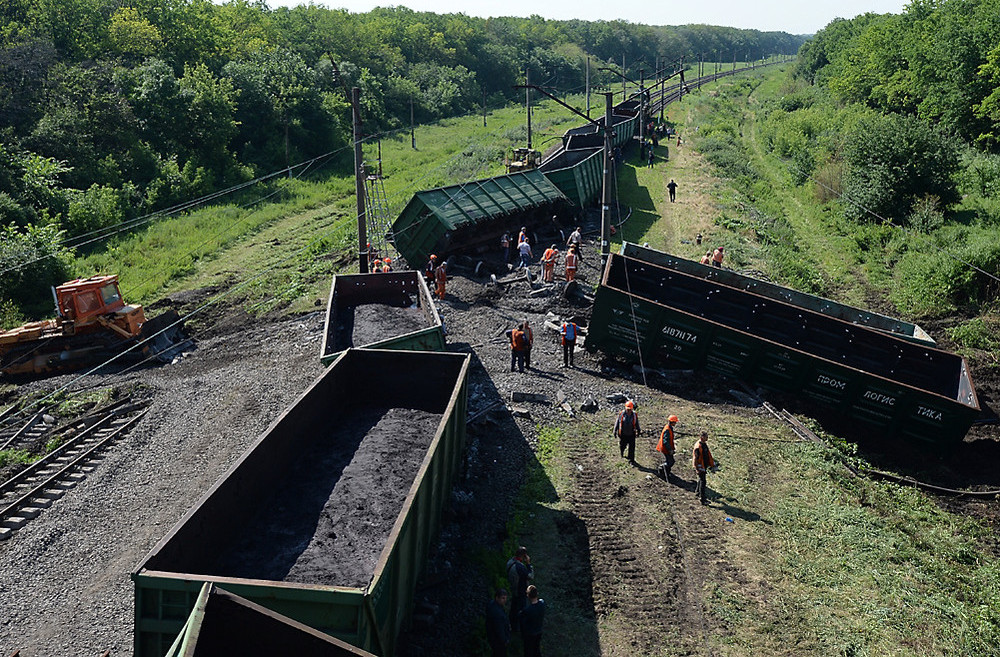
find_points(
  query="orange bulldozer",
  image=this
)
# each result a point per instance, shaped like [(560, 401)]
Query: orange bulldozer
[(93, 324)]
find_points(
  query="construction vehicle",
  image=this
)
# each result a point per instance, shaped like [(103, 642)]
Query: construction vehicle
[(93, 324), (523, 159)]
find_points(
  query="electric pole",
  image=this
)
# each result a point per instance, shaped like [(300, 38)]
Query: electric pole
[(606, 193), (359, 183)]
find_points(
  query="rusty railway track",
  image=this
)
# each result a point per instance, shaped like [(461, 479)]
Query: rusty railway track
[(25, 495)]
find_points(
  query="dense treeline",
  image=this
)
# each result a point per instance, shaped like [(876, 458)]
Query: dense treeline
[(896, 120), (114, 108)]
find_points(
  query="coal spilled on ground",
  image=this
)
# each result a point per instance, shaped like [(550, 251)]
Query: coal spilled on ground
[(374, 322), (332, 512)]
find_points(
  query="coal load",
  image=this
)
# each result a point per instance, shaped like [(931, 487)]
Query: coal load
[(332, 512)]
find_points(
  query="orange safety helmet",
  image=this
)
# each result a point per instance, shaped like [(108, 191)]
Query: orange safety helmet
[(387, 261), (629, 404), (673, 418), (433, 257)]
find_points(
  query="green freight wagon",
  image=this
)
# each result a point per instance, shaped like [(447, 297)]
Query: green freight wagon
[(226, 624), (897, 327), (667, 318), (286, 498), (411, 320), (470, 218), (578, 174)]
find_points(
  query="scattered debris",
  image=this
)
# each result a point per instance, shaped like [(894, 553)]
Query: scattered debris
[(589, 406), (518, 411), (617, 398)]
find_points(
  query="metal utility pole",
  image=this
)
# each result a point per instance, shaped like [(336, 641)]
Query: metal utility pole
[(359, 183), (623, 78), (413, 134), (642, 109), (527, 101), (606, 193), (588, 86)]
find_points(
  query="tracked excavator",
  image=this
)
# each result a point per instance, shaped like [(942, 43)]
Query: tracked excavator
[(93, 323)]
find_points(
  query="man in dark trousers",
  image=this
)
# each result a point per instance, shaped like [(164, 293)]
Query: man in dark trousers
[(626, 429), (672, 188), (568, 331), (701, 459), (531, 619), (519, 571), (518, 348), (666, 446), (497, 625)]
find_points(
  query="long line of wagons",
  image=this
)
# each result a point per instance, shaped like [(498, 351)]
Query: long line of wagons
[(239, 569)]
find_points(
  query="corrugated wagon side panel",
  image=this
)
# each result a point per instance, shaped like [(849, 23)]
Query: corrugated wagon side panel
[(405, 554)]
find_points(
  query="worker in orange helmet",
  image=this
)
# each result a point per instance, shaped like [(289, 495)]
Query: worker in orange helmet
[(441, 277), (376, 266), (666, 446), (717, 257), (429, 269), (626, 429), (701, 459), (571, 263), (387, 265), (549, 263)]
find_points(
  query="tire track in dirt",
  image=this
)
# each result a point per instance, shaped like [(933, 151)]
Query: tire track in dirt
[(646, 589)]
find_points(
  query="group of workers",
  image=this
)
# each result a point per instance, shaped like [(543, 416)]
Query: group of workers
[(550, 256), (713, 258), (436, 275), (527, 610), (627, 429), (522, 339)]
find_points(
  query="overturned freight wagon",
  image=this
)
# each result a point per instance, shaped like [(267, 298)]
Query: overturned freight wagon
[(469, 218), (381, 311), (328, 518), (226, 624), (674, 319), (897, 327)]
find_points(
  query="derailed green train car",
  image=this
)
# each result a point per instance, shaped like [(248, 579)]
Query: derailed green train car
[(240, 509), (899, 328), (674, 319), (402, 290)]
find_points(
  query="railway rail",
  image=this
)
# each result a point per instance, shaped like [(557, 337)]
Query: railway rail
[(25, 495)]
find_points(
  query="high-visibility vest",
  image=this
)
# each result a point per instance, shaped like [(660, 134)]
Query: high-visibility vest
[(549, 256), (439, 274), (569, 330), (570, 261), (666, 446), (517, 340), (701, 457), (627, 426), (522, 237)]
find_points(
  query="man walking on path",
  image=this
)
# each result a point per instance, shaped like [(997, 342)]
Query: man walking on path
[(701, 458), (666, 446), (672, 188), (626, 429), (652, 156), (497, 625), (531, 619), (519, 571), (568, 331)]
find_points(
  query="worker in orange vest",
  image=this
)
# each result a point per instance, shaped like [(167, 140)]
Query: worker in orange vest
[(717, 257), (432, 264), (666, 446), (387, 265), (626, 429), (549, 264), (701, 459), (707, 258), (571, 260), (518, 347), (441, 278)]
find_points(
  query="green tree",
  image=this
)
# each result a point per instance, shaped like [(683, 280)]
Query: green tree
[(894, 160)]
